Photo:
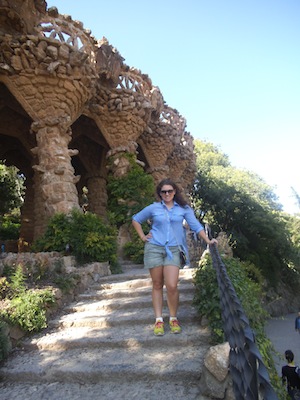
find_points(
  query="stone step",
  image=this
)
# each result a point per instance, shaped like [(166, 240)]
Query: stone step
[(143, 389), (86, 365), (102, 347), (132, 283), (129, 286), (111, 301), (127, 266), (120, 291), (117, 318), (141, 336), (135, 274)]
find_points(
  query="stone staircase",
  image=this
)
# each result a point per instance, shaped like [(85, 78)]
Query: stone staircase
[(102, 347)]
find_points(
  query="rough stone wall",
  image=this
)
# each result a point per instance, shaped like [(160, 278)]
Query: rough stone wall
[(67, 104), (22, 15)]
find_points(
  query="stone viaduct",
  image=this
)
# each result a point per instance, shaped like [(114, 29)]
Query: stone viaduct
[(67, 104)]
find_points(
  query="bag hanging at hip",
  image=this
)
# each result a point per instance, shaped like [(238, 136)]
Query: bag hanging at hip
[(182, 257)]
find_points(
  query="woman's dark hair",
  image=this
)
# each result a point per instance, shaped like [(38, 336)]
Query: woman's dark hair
[(289, 355), (178, 196)]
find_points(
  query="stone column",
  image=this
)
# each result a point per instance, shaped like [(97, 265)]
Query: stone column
[(97, 195), (118, 164), (56, 191)]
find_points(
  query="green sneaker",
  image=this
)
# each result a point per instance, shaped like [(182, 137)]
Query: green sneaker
[(159, 329), (174, 326)]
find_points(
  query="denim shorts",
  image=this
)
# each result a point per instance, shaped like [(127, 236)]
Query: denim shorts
[(156, 256)]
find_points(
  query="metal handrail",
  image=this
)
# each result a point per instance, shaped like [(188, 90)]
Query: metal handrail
[(249, 375)]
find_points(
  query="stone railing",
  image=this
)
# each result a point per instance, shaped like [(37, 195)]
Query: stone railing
[(63, 29), (171, 116), (135, 81)]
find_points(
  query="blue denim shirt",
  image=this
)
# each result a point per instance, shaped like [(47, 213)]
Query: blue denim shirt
[(167, 225)]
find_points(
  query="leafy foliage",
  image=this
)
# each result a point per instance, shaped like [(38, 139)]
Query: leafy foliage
[(207, 299), (241, 204), (247, 282), (297, 197), (11, 189), (65, 283), (17, 282), (86, 235), (293, 222), (29, 310), (4, 287), (57, 235), (11, 198), (26, 307), (10, 226), (134, 249), (130, 193)]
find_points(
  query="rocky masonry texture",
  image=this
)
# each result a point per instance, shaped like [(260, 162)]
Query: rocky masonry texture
[(68, 102)]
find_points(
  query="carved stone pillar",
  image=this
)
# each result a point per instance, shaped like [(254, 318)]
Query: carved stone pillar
[(55, 184), (97, 195), (118, 163)]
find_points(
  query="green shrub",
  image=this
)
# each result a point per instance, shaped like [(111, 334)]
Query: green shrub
[(65, 283), (247, 282), (25, 308), (57, 235), (10, 227), (17, 281), (207, 298), (4, 287), (126, 196), (130, 193), (134, 250), (89, 239), (29, 310)]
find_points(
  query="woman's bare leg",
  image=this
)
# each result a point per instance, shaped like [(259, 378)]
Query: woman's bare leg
[(157, 290), (171, 274)]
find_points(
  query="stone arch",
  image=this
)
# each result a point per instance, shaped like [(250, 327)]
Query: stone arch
[(142, 157), (16, 142), (69, 105), (90, 162)]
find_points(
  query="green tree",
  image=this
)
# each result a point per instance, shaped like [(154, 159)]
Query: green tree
[(293, 223), (11, 188), (128, 194), (297, 197), (241, 204)]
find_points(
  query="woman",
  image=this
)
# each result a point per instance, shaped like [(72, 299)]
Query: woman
[(161, 253), (290, 377)]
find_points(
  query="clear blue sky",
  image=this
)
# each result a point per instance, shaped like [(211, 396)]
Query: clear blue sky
[(230, 67)]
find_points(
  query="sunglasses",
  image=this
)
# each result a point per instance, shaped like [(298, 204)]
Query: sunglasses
[(167, 191)]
